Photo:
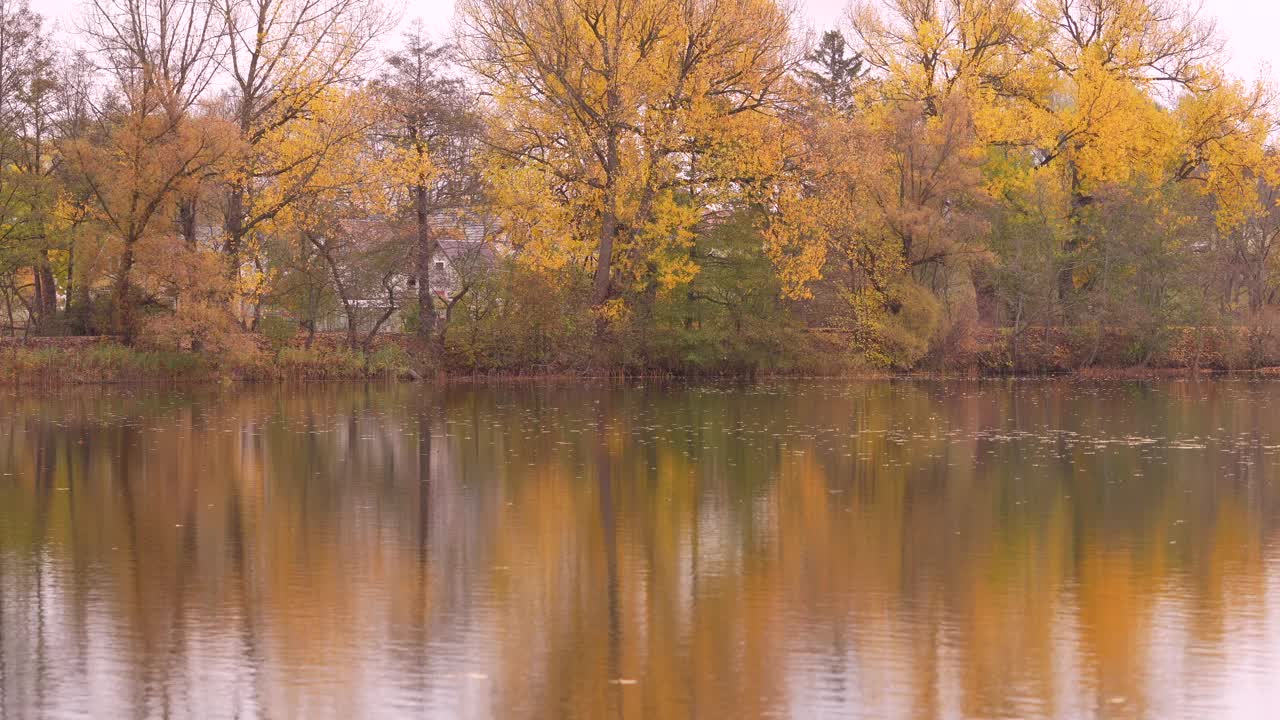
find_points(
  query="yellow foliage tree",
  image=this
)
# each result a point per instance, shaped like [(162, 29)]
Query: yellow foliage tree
[(880, 197), (288, 62), (1093, 92), (133, 178), (627, 120), (320, 156)]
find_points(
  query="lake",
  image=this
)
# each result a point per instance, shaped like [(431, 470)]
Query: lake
[(904, 549)]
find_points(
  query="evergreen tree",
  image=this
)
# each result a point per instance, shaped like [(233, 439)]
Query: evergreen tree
[(830, 71)]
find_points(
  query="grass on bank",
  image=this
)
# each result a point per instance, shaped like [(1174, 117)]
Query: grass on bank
[(1035, 351), (114, 362), (104, 362)]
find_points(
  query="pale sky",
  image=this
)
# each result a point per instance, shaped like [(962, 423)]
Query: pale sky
[(1251, 27)]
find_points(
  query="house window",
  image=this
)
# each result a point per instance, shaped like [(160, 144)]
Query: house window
[(440, 267)]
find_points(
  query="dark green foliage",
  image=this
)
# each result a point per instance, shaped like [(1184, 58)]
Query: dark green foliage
[(278, 331), (830, 71), (517, 320), (731, 318)]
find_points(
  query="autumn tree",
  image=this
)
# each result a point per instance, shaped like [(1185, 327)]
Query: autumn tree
[(161, 55), (1083, 88), (925, 51), (283, 57), (1253, 247), (880, 200), (467, 258), (28, 110), (433, 135), (76, 85), (174, 47), (363, 259), (1114, 57), (341, 217), (617, 114)]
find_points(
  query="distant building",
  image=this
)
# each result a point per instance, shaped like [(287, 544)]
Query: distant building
[(467, 245)]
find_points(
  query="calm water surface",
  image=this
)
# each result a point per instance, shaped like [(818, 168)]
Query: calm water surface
[(878, 550)]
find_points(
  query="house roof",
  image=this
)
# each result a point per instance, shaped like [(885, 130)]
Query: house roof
[(369, 228), (464, 234), (459, 233), (457, 250), (463, 225)]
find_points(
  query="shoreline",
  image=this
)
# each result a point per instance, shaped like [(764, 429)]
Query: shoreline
[(59, 361)]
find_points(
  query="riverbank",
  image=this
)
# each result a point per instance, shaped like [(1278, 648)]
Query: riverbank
[(991, 353), (88, 360)]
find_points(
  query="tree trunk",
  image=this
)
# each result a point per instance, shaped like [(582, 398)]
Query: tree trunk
[(50, 298), (448, 320), (425, 250), (601, 287), (40, 301), (68, 303), (233, 227), (187, 219), (232, 245), (8, 306), (125, 300), (45, 305), (77, 304), (353, 326), (1074, 244)]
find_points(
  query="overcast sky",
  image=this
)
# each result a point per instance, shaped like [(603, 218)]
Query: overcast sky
[(1250, 26)]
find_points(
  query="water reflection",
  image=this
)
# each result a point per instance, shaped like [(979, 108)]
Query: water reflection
[(868, 550)]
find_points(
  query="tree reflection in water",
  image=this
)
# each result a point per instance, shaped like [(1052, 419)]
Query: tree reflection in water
[(904, 549)]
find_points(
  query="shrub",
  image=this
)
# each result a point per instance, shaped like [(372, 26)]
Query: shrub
[(894, 337), (278, 331), (320, 363), (390, 359)]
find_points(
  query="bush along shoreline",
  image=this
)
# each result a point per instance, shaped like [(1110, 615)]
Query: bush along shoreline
[(1076, 352), (77, 361)]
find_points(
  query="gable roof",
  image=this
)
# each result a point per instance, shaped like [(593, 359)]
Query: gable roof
[(458, 233), (462, 225)]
